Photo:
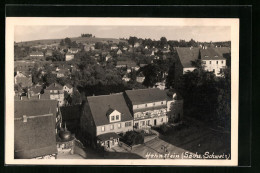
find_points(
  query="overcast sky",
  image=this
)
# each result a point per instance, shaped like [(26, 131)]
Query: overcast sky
[(198, 33)]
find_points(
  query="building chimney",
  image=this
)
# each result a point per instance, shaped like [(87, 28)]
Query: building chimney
[(21, 97), (39, 96), (24, 118)]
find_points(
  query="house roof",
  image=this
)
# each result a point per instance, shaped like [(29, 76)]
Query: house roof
[(54, 86), (108, 136), (127, 63), (186, 55), (37, 136), (210, 54), (149, 95), (36, 89), (69, 54), (222, 50), (68, 85), (100, 105)]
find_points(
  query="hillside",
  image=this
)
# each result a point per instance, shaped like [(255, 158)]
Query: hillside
[(77, 39)]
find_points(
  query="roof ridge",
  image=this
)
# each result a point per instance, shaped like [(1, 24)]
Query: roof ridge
[(106, 95)]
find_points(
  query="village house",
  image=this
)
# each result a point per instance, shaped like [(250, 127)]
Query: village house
[(160, 85), (108, 57), (56, 93), (69, 56), (119, 52), (23, 79), (36, 54), (140, 77), (212, 61), (48, 53), (34, 129), (125, 48), (73, 50), (148, 106), (114, 47), (104, 117), (68, 88), (137, 44), (127, 64), (126, 78)]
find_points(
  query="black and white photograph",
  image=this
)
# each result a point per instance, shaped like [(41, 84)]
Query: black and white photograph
[(122, 91)]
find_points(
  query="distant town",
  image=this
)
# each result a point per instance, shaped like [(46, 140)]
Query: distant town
[(99, 98)]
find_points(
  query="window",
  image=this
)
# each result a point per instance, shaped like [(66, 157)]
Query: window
[(143, 123), (221, 62), (117, 117), (214, 70), (112, 118), (162, 120), (112, 127), (217, 62), (136, 106), (148, 122), (154, 104), (145, 105), (209, 62), (119, 125), (127, 124), (162, 103), (103, 128)]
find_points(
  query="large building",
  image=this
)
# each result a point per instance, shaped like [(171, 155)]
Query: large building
[(34, 129), (104, 117), (56, 92), (212, 61), (148, 106)]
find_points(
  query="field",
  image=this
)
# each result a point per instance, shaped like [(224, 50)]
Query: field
[(77, 39)]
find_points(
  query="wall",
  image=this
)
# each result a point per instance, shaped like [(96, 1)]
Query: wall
[(159, 120), (116, 129), (211, 65)]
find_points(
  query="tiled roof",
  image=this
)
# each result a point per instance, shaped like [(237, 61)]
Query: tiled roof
[(54, 86), (210, 54), (187, 55), (222, 50), (142, 96), (36, 137), (99, 105)]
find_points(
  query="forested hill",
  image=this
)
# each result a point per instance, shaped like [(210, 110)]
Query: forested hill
[(77, 39)]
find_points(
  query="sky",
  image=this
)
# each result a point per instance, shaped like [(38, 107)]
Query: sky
[(198, 33)]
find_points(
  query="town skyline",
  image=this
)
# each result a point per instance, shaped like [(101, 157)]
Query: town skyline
[(197, 33)]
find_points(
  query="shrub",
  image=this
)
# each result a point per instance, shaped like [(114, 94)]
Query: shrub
[(133, 138)]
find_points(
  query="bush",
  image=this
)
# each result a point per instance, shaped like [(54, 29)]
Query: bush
[(133, 138)]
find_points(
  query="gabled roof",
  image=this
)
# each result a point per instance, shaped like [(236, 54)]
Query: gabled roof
[(37, 136), (186, 55), (68, 85), (100, 105), (210, 54), (222, 50), (54, 86), (36, 89), (149, 95)]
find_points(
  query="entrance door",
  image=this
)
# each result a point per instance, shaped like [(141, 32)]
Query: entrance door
[(108, 144), (136, 125), (155, 122)]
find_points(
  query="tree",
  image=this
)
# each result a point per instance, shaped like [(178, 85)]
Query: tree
[(163, 42), (132, 40), (75, 97), (98, 45), (68, 41), (62, 43), (74, 44), (49, 78)]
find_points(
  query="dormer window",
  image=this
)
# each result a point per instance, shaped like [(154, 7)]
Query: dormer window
[(117, 117), (206, 56)]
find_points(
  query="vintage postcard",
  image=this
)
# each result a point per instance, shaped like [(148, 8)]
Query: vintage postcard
[(122, 91)]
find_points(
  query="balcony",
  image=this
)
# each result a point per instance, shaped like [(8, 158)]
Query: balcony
[(150, 115)]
